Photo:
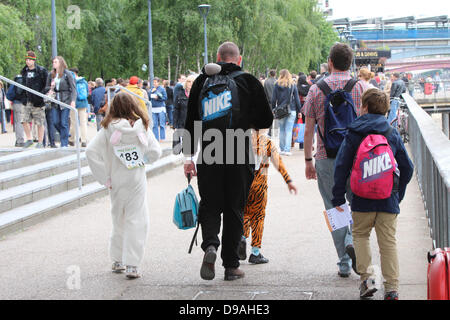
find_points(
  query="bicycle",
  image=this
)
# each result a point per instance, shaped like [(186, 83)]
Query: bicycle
[(401, 120)]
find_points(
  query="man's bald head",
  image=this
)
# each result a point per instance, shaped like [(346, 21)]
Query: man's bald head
[(229, 52)]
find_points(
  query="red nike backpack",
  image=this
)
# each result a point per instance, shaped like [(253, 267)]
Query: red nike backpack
[(373, 169)]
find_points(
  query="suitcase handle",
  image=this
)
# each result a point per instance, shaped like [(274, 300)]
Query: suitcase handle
[(430, 256)]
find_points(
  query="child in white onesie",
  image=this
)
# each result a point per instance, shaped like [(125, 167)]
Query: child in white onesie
[(116, 158)]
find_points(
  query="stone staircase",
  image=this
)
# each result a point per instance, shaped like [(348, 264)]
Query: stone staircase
[(38, 183)]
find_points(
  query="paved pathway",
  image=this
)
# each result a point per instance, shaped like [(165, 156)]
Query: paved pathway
[(66, 256)]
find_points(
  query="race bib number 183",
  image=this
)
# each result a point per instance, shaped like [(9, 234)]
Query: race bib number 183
[(131, 156)]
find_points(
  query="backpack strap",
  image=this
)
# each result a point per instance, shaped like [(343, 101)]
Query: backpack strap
[(236, 73), (323, 86), (194, 238), (350, 84), (326, 90)]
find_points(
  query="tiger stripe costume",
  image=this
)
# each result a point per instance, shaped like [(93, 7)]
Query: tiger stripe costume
[(255, 209)]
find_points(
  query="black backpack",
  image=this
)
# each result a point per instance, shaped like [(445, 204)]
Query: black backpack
[(219, 98)]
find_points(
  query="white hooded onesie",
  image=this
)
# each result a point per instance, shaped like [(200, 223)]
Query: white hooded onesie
[(116, 159)]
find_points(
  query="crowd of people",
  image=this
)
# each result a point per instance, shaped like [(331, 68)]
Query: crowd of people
[(233, 189), (223, 97), (38, 122)]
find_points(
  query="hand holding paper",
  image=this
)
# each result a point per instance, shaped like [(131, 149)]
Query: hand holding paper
[(339, 217)]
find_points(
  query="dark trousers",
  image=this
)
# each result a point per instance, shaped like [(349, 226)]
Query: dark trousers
[(223, 189), (50, 128)]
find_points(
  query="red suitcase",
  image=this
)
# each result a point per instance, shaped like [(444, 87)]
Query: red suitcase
[(438, 277)]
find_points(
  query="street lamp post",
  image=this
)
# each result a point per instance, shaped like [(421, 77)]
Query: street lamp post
[(204, 10), (54, 38), (150, 43)]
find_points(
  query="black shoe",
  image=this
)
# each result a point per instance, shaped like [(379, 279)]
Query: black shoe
[(83, 144), (233, 274), (343, 275), (207, 270), (71, 143), (242, 249), (53, 146), (19, 144), (257, 259), (350, 250), (367, 289)]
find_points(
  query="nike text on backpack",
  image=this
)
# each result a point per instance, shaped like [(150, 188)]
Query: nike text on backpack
[(374, 173), (219, 98), (339, 111)]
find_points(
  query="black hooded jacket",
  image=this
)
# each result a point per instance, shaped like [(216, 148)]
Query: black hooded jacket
[(255, 111), (37, 82)]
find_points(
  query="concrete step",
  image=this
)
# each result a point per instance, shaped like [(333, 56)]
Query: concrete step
[(29, 214), (13, 160), (16, 177), (14, 197)]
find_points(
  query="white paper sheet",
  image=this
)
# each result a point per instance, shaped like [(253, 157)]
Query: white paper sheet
[(336, 220)]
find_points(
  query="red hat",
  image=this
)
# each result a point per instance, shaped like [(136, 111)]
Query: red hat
[(134, 80)]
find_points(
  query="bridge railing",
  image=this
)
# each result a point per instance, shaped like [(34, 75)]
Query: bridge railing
[(431, 155)]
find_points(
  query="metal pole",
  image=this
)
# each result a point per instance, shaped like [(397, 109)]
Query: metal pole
[(206, 39), (204, 10), (150, 43), (54, 38)]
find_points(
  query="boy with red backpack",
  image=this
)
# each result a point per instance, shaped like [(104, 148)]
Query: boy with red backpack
[(374, 157)]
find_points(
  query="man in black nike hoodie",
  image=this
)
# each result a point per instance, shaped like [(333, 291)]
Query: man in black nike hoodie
[(224, 184)]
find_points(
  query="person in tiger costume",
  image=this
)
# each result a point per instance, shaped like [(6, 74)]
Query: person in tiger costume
[(255, 209)]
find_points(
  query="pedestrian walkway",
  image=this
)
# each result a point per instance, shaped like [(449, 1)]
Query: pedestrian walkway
[(66, 257)]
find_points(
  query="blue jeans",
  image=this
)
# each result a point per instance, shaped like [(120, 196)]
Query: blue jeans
[(61, 122), (98, 119), (286, 126), (159, 125), (393, 112), (341, 237), (169, 110)]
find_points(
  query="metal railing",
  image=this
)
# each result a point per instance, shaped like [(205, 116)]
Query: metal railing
[(431, 91), (77, 126), (431, 154)]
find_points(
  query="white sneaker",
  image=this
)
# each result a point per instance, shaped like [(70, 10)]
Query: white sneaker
[(282, 153), (118, 267), (288, 153), (132, 272)]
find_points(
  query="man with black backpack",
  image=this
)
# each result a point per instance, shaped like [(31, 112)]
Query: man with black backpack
[(333, 103), (223, 99)]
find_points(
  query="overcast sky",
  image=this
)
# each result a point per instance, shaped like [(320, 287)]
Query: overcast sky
[(388, 8)]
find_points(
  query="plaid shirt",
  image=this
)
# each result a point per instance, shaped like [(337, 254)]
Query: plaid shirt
[(314, 105)]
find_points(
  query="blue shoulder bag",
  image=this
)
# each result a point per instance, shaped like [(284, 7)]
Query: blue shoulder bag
[(185, 210)]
